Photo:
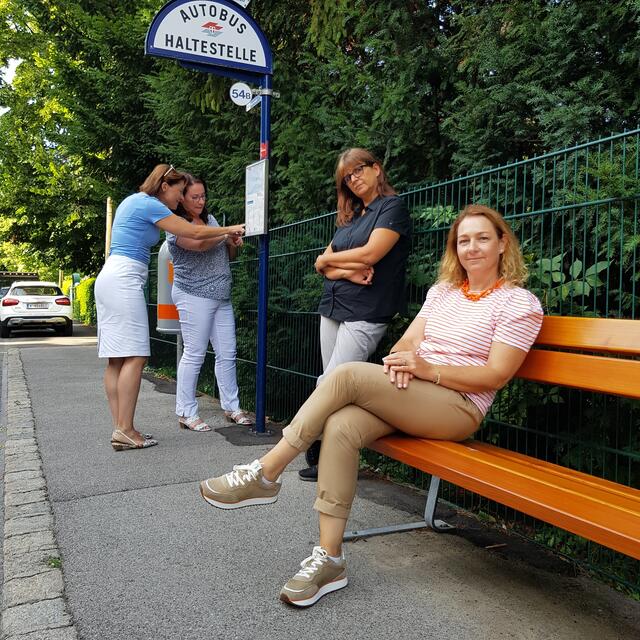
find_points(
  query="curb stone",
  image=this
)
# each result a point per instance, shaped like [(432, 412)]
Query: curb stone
[(33, 606)]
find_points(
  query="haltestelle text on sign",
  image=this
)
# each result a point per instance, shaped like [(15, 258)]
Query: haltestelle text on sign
[(211, 32), (194, 45)]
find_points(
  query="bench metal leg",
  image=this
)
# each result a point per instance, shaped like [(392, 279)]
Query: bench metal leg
[(429, 519), (430, 509)]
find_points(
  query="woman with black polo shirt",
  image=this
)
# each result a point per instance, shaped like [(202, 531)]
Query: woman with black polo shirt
[(363, 267)]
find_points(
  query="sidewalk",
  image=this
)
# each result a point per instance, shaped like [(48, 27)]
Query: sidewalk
[(144, 557)]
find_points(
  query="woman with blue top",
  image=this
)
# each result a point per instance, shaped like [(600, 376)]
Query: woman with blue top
[(202, 294), (123, 325)]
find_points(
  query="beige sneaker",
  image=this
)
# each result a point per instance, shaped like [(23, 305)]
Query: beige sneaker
[(318, 576), (243, 487)]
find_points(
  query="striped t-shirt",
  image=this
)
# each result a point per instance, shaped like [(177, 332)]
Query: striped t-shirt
[(459, 331)]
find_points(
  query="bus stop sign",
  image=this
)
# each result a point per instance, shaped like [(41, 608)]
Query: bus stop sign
[(214, 33)]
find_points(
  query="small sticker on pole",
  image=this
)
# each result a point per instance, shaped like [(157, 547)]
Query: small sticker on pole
[(240, 94)]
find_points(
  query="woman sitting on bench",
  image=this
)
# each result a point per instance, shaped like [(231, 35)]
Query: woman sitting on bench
[(469, 339)]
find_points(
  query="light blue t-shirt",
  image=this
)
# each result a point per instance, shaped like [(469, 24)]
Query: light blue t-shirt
[(134, 231)]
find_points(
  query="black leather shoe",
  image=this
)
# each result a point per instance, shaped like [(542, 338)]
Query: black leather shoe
[(312, 454), (310, 474)]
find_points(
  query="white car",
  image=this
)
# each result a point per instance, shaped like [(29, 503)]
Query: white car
[(30, 304)]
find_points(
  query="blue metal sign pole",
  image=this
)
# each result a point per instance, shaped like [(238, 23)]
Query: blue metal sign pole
[(263, 267)]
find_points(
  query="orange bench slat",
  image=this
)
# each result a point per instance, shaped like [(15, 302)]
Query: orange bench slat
[(591, 334), (592, 373), (600, 510)]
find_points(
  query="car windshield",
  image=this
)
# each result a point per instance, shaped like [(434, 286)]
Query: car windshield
[(37, 291)]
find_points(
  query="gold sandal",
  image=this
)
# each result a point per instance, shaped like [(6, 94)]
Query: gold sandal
[(120, 441)]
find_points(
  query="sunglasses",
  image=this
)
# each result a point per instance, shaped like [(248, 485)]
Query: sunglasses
[(169, 170)]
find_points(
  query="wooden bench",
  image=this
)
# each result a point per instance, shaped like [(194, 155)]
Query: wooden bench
[(600, 510)]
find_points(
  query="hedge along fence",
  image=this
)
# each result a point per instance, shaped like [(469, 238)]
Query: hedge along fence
[(84, 303), (66, 286)]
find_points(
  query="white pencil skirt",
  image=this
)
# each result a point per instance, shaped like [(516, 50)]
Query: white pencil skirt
[(123, 323)]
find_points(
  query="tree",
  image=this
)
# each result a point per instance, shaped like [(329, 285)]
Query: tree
[(432, 88), (537, 76)]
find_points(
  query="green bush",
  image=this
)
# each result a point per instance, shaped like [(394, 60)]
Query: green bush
[(84, 304), (66, 286)]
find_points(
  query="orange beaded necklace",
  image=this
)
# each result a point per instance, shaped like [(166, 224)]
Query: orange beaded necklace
[(474, 297)]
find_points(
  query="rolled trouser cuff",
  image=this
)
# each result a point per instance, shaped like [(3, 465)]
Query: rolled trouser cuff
[(332, 509), (291, 436)]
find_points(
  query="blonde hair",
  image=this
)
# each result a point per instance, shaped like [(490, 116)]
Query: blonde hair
[(161, 173), (511, 267), (347, 200)]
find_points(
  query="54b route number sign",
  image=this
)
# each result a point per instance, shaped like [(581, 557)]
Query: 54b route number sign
[(240, 94)]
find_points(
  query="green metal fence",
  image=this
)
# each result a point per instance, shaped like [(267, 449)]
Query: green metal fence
[(575, 212)]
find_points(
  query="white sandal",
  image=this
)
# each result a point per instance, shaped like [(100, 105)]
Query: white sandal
[(239, 417), (194, 423)]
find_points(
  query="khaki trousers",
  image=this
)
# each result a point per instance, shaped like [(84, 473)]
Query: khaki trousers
[(355, 405)]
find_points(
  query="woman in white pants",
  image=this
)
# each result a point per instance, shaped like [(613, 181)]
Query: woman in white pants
[(363, 268), (123, 325), (202, 294)]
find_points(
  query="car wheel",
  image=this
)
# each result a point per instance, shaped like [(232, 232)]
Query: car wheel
[(68, 330), (5, 332)]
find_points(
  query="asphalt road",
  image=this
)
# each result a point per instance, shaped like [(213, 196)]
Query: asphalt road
[(82, 336)]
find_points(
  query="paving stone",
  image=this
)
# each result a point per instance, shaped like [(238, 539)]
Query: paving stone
[(15, 499), (20, 412), (43, 586), (63, 633), (16, 456), (22, 463), (38, 541), (28, 524), (21, 426), (20, 455), (21, 433), (24, 486), (38, 616), (13, 476), (31, 509), (22, 446), (32, 598), (29, 564), (19, 401), (21, 423)]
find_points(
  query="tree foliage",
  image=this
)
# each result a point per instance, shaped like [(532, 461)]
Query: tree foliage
[(432, 87)]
